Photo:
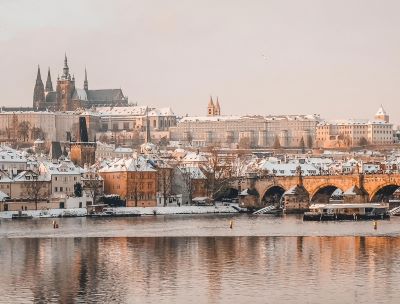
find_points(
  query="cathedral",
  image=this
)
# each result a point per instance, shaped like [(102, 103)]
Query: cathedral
[(67, 97), (213, 109)]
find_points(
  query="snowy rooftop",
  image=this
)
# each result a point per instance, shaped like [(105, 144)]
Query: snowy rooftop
[(255, 117), (132, 164), (8, 154), (381, 111), (134, 111)]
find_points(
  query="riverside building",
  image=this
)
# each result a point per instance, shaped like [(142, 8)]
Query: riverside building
[(351, 133)]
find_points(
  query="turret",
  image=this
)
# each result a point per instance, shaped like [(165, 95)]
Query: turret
[(381, 115), (49, 83), (85, 83), (217, 108), (210, 107), (38, 92), (66, 74)]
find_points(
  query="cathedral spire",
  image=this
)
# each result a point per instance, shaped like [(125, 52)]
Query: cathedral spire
[(49, 83), (85, 83), (65, 69), (38, 76), (148, 136), (38, 92)]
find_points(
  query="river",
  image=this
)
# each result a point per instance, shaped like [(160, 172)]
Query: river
[(199, 259)]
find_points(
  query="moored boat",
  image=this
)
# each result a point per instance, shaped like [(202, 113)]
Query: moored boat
[(347, 212), (21, 216)]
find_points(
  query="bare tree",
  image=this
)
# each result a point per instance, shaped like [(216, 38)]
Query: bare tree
[(302, 145), (221, 171), (23, 130), (363, 142), (93, 185), (165, 182), (37, 133), (134, 189), (188, 181), (277, 144), (310, 141), (244, 143), (36, 188)]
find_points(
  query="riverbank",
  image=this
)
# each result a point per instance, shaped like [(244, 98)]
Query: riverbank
[(140, 211)]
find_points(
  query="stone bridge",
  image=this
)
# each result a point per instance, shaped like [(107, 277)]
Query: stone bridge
[(374, 187)]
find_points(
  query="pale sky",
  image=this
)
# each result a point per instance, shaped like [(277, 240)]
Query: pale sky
[(338, 58)]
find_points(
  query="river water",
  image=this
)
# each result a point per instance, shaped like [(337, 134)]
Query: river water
[(199, 259)]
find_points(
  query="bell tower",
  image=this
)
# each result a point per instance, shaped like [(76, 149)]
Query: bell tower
[(38, 93), (65, 89), (210, 107)]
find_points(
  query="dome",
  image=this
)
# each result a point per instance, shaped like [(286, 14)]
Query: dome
[(148, 148)]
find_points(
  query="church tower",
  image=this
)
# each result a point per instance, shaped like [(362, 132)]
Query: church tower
[(210, 107), (381, 115), (38, 92), (213, 109), (65, 89), (217, 108), (85, 83), (49, 83)]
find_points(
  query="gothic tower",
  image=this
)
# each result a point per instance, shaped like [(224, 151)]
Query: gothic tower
[(381, 115), (38, 93), (217, 108), (213, 109), (210, 108), (49, 83), (85, 83), (65, 89)]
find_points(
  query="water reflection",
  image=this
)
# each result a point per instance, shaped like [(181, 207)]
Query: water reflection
[(200, 270)]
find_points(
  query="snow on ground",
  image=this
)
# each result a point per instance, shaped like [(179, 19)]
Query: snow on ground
[(175, 210), (126, 210), (48, 213)]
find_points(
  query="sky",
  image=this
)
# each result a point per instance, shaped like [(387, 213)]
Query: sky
[(336, 58)]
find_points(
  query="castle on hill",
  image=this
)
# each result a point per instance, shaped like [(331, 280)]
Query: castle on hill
[(68, 97)]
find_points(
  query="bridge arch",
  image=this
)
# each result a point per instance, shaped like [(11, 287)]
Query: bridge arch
[(323, 193), (383, 192), (227, 193), (272, 195)]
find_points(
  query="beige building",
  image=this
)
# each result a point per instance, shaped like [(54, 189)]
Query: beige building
[(129, 123), (257, 131), (351, 133), (63, 175), (54, 125)]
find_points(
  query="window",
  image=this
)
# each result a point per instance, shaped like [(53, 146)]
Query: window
[(61, 189), (55, 189)]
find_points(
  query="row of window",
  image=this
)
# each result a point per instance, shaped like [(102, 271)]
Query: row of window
[(65, 178)]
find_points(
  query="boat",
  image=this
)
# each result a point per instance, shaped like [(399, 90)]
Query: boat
[(347, 212), (110, 212), (21, 216)]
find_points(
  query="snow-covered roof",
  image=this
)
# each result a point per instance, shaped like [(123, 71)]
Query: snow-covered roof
[(247, 117), (128, 165), (3, 196), (134, 111), (80, 94), (288, 169), (65, 167), (123, 150), (194, 157), (381, 111), (10, 155), (161, 112), (29, 175), (194, 172)]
